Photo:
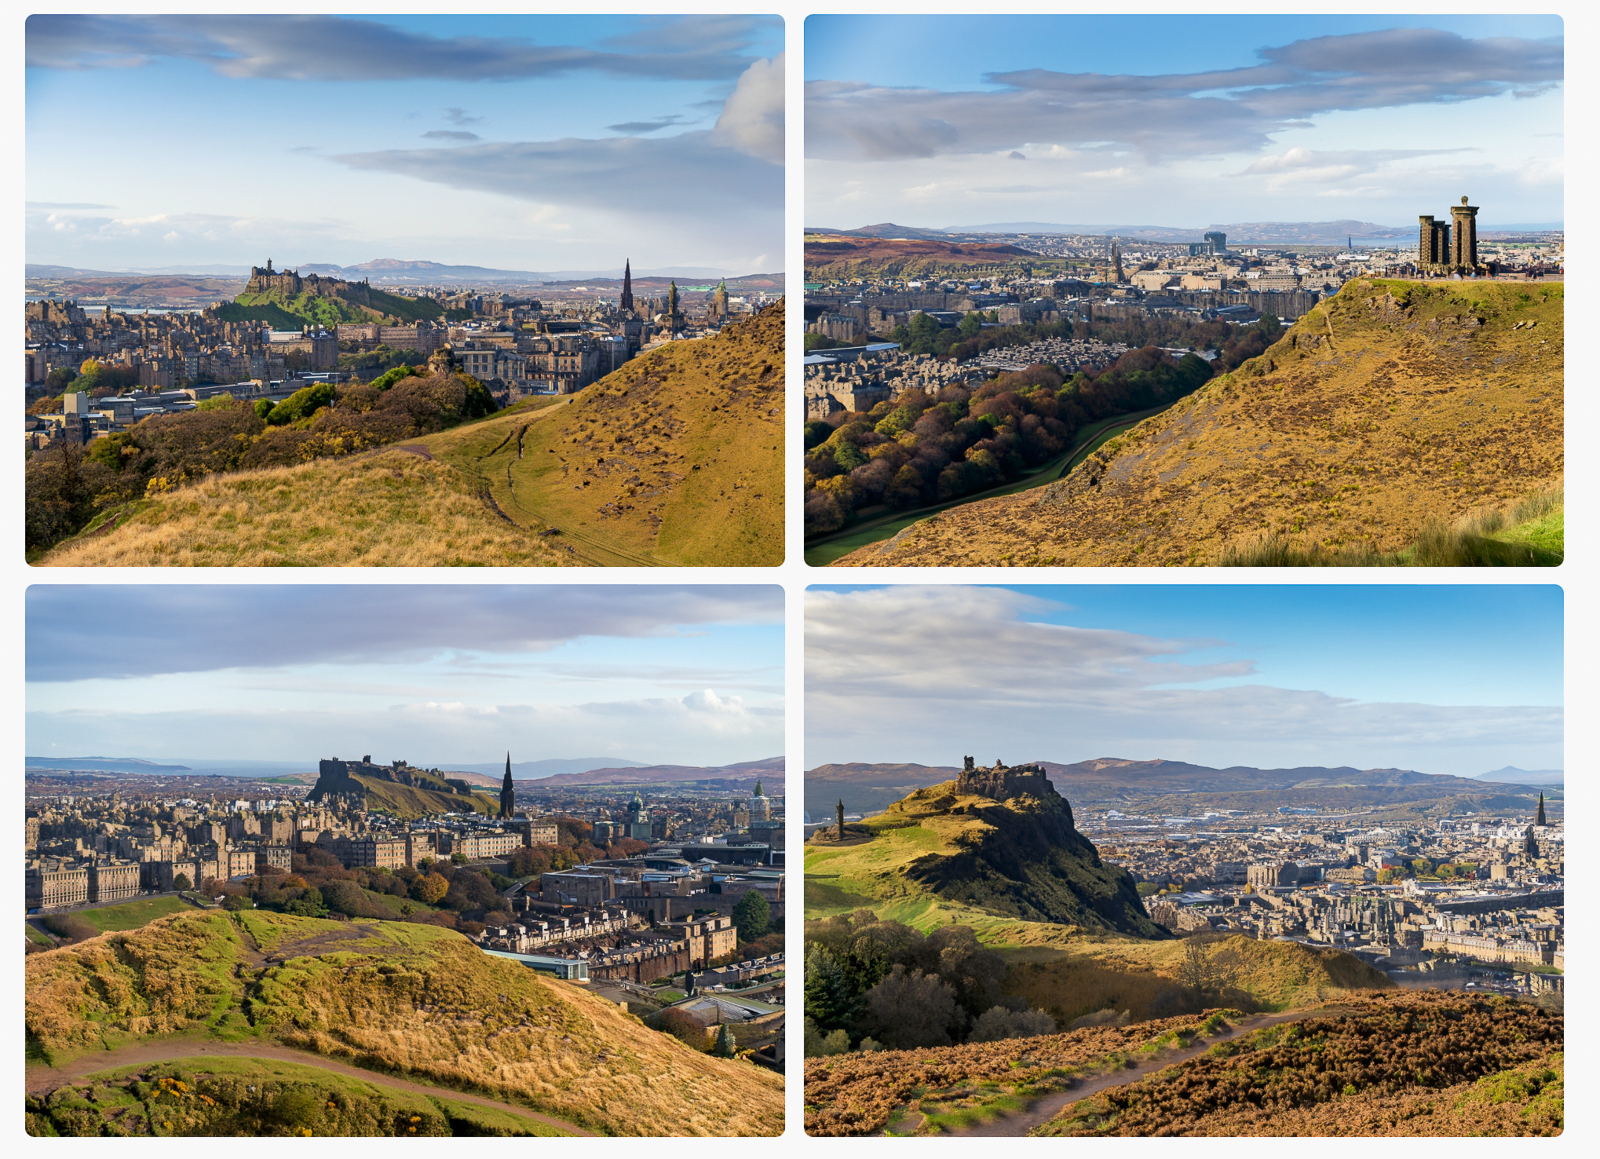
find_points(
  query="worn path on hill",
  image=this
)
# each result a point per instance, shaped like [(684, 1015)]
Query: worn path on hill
[(1043, 1110), (43, 1079)]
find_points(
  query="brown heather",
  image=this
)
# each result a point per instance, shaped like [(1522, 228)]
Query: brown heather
[(1392, 408), (412, 1000)]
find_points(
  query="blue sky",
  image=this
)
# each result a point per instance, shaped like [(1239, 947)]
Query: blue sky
[(1180, 120), (434, 674), (1444, 679), (522, 142)]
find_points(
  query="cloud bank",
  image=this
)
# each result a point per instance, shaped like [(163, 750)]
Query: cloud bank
[(90, 632), (1178, 114), (919, 674)]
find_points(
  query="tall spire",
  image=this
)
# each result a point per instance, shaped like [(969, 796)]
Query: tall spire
[(627, 284), (1538, 818), (508, 793)]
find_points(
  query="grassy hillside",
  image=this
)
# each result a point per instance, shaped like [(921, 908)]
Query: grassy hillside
[(1384, 418), (286, 312), (409, 802), (675, 459), (404, 999), (1019, 860), (204, 1096), (1410, 1064), (1142, 978)]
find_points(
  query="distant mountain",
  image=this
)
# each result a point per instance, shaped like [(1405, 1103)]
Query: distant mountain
[(1511, 775), (888, 230), (1242, 233), (1111, 781), (104, 765), (394, 271), (538, 770), (769, 772)]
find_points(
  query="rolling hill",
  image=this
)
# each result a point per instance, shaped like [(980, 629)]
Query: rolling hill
[(1387, 413), (404, 792), (390, 1001), (769, 772), (835, 257), (1019, 858), (674, 459)]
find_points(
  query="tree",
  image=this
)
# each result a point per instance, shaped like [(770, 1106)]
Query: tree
[(751, 916), (725, 1047), (1205, 972), (430, 888), (60, 378), (180, 882), (911, 1009), (997, 1023), (458, 859), (829, 999)]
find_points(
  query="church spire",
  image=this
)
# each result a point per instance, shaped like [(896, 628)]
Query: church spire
[(627, 284), (508, 794), (1538, 818)]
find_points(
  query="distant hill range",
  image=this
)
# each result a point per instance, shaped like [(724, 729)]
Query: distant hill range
[(769, 772), (1240, 232), (402, 272), (538, 770), (1511, 775), (838, 257), (1116, 782), (106, 765)]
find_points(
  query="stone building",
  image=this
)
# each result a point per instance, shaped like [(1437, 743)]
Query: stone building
[(1003, 782), (1449, 247)]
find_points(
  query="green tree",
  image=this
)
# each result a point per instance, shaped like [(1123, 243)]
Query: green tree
[(263, 408), (60, 378), (180, 881), (303, 403), (751, 916), (970, 325), (724, 1047)]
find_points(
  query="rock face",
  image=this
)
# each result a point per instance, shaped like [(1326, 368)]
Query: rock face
[(1018, 854)]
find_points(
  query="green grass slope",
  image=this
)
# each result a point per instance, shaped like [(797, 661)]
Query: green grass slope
[(407, 1000), (1392, 411), (259, 1098), (288, 312), (1019, 860)]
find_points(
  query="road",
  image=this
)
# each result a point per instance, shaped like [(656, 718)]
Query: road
[(43, 1079)]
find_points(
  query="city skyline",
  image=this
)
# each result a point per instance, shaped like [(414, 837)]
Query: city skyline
[(1457, 680), (547, 144), (665, 674), (1181, 121)]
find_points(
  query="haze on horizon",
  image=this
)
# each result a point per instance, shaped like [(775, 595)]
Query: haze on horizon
[(540, 143), (1459, 679), (1181, 121), (664, 674)]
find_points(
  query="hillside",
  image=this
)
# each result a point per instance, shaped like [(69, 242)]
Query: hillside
[(398, 1000), (323, 300), (402, 791), (1404, 1063), (837, 258), (674, 459), (1018, 858), (1165, 786), (1386, 414)]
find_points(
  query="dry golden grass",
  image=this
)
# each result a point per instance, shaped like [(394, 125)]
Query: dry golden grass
[(389, 509), (1098, 973), (406, 998), (1393, 406)]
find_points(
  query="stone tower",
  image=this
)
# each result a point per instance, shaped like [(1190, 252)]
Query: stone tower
[(1538, 818), (672, 300), (1464, 219), (626, 301), (1116, 263), (840, 814), (719, 301), (508, 795)]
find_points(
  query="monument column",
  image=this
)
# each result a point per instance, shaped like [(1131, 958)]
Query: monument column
[(1465, 252)]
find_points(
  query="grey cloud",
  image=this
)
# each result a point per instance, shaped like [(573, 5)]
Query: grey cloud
[(78, 633), (703, 33), (636, 128), (602, 173), (458, 116), (1185, 114), (906, 656), (450, 135), (329, 48)]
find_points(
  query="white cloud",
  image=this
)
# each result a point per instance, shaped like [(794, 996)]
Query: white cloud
[(752, 116), (920, 673)]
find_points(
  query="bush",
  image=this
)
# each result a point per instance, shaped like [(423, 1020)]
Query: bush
[(998, 1023)]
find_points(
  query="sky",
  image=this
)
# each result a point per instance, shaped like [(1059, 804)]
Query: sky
[(1181, 121), (435, 675), (538, 143), (1459, 679)]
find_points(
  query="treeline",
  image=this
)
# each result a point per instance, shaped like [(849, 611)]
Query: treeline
[(881, 985), (67, 487), (923, 448)]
